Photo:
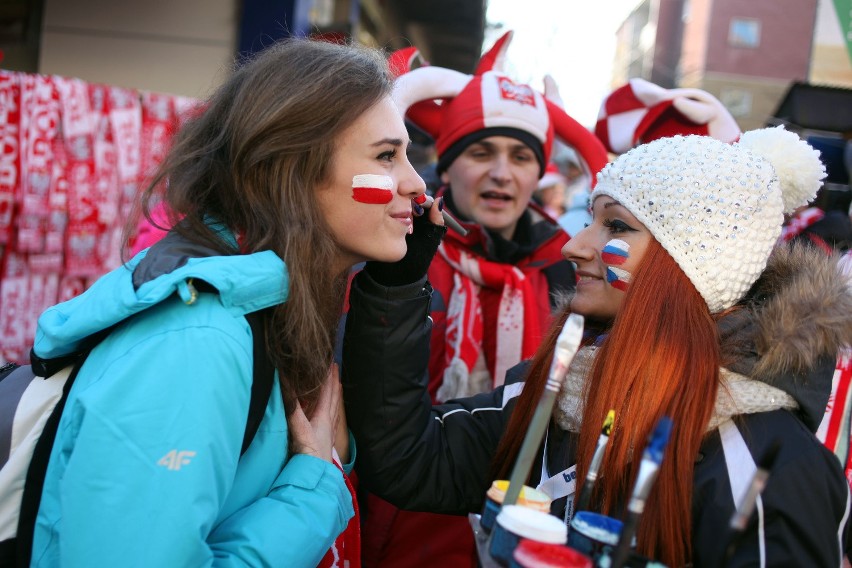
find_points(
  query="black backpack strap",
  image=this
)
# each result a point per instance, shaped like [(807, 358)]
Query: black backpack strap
[(263, 372), (262, 380), (37, 470), (34, 482), (261, 389)]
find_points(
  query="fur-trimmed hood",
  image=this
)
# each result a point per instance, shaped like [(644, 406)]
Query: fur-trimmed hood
[(789, 328)]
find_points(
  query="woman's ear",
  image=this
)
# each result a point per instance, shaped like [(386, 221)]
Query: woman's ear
[(445, 178)]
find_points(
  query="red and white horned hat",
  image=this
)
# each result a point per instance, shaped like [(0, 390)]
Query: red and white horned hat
[(484, 104), (641, 112)]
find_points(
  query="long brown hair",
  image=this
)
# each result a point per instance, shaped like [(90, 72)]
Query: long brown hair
[(660, 357), (253, 160)]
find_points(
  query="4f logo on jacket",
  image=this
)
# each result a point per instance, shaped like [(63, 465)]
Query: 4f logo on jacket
[(175, 459)]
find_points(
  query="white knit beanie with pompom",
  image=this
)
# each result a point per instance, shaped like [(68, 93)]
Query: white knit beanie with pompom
[(716, 208)]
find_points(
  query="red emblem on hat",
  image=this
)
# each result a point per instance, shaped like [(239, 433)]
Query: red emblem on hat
[(519, 93)]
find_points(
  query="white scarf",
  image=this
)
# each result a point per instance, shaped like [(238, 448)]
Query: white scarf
[(737, 395)]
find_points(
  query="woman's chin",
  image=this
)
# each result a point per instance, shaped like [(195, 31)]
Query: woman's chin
[(392, 254)]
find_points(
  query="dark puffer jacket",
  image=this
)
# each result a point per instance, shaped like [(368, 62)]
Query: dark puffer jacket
[(436, 458)]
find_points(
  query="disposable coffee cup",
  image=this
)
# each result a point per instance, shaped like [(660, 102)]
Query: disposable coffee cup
[(529, 497), (515, 522), (532, 554)]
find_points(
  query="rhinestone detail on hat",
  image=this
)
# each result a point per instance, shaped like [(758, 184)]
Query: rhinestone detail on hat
[(675, 185)]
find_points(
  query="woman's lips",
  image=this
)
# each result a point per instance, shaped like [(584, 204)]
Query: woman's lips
[(403, 217)]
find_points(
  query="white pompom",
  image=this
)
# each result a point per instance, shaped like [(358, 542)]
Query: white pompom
[(799, 169)]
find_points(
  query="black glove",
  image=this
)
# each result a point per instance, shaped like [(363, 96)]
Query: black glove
[(422, 245)]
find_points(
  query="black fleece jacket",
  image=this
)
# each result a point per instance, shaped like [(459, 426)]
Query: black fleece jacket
[(437, 458)]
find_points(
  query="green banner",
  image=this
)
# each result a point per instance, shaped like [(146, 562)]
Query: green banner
[(844, 14)]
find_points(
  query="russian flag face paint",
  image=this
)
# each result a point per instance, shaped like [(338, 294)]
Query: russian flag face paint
[(618, 278), (372, 189), (615, 253)]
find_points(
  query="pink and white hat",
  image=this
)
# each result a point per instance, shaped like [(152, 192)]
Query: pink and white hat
[(641, 112)]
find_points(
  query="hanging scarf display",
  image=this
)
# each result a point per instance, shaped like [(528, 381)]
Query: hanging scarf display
[(125, 127), (57, 220), (82, 229), (71, 165), (10, 100), (159, 123), (39, 121), (14, 302)]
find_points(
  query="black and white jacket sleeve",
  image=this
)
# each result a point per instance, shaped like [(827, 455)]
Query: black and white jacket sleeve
[(416, 456)]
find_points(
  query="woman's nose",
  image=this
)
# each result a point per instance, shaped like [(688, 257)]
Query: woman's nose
[(410, 183), (579, 247)]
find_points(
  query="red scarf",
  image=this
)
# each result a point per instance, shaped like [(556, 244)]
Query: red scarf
[(346, 550), (834, 431), (801, 221), (518, 329)]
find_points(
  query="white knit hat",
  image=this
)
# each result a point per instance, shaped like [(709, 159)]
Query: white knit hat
[(716, 208)]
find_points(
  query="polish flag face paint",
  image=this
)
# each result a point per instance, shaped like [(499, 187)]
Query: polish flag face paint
[(618, 278), (372, 189), (615, 253)]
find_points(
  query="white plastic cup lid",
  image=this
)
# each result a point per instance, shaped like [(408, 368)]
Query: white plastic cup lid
[(532, 524)]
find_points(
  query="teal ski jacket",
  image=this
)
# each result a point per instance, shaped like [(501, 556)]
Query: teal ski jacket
[(146, 467)]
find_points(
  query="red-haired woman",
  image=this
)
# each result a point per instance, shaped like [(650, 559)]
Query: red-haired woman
[(691, 312)]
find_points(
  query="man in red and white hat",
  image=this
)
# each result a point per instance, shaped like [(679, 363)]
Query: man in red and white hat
[(494, 287)]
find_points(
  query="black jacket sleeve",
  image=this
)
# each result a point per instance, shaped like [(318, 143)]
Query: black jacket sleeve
[(414, 455)]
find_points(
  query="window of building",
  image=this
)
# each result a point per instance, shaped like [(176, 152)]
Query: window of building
[(744, 32), (737, 101)]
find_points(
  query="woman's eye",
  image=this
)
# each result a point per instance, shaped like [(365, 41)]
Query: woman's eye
[(387, 156), (616, 226)]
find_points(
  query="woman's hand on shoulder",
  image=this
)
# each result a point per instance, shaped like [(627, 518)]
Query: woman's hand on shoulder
[(316, 436)]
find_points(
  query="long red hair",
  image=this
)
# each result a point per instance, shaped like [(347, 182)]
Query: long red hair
[(660, 357)]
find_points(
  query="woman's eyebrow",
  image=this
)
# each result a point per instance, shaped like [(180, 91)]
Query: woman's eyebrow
[(391, 141)]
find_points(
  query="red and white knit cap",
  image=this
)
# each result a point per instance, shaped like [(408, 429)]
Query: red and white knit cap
[(485, 104), (492, 105), (641, 112)]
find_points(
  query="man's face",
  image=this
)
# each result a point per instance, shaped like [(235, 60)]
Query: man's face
[(493, 181)]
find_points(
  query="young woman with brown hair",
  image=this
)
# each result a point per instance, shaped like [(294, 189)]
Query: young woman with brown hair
[(692, 313), (294, 171)]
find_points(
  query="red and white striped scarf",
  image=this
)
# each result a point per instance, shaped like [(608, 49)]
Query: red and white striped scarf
[(346, 550), (835, 431), (518, 320), (800, 222)]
